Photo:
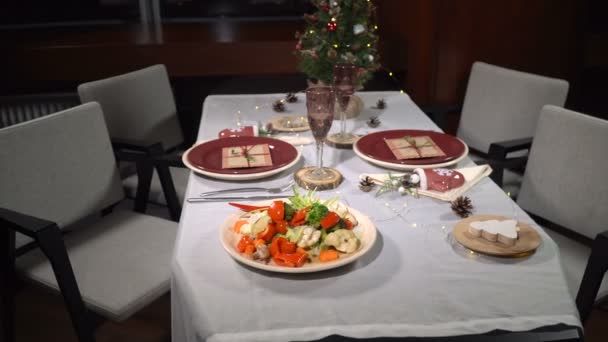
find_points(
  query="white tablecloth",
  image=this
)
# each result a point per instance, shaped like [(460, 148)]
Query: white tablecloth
[(415, 281)]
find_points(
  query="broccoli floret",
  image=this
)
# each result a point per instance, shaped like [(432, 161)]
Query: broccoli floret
[(289, 211), (316, 214)]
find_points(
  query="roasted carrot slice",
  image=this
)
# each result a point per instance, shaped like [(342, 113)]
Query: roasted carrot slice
[(328, 255)]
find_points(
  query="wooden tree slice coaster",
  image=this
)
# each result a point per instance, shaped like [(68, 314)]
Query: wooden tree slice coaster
[(527, 242), (312, 184), (332, 141)]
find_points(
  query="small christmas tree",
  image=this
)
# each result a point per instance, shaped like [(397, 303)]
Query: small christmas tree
[(340, 31)]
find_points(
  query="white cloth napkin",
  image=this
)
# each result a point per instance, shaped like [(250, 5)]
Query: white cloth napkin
[(472, 176)]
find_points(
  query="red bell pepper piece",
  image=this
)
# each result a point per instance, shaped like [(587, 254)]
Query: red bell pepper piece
[(247, 207), (276, 211), (281, 227), (330, 220), (349, 224), (249, 250), (243, 243), (274, 247), (286, 246), (299, 216), (268, 233), (290, 260)]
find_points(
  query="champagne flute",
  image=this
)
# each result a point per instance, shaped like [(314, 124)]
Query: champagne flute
[(320, 103), (344, 85)]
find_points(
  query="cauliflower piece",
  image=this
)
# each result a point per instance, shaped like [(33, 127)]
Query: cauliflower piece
[(258, 222), (245, 229), (261, 253), (309, 237), (343, 240)]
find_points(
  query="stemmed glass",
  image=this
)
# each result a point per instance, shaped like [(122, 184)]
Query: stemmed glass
[(344, 86), (320, 104)]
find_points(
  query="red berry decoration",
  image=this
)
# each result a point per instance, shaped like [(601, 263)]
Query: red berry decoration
[(311, 17), (324, 7), (331, 26)]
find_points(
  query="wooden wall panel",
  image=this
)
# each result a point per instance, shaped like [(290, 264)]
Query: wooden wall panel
[(434, 42), (188, 50), (411, 25), (538, 36)]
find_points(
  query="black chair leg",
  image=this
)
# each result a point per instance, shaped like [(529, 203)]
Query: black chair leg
[(144, 179), (497, 156), (51, 243), (175, 208), (594, 273), (7, 284)]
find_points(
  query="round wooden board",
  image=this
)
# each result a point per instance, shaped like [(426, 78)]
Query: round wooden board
[(277, 123), (526, 244), (310, 184), (333, 142)]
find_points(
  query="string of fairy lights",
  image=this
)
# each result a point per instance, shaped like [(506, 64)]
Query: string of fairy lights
[(285, 100)]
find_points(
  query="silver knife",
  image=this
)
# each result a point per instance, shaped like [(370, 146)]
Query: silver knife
[(233, 198)]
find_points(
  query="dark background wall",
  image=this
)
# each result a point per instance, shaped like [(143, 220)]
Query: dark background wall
[(429, 44)]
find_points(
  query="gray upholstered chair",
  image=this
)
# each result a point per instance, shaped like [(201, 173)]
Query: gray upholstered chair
[(564, 187), (139, 108), (502, 104), (59, 172)]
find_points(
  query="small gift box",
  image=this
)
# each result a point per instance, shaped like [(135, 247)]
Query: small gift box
[(246, 156), (414, 147)]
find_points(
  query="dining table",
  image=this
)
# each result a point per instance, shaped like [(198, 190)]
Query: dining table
[(415, 281)]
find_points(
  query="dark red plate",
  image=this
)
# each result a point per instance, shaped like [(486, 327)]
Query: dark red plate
[(373, 146), (208, 155)]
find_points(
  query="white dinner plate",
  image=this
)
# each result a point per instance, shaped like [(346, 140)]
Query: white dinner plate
[(365, 231)]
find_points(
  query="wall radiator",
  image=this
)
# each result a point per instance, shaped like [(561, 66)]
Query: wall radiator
[(21, 108)]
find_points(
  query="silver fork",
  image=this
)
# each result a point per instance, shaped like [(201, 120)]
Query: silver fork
[(276, 190)]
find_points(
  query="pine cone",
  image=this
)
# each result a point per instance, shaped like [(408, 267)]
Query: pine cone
[(373, 122), (278, 106), (381, 104), (366, 184), (462, 206), (291, 98)]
